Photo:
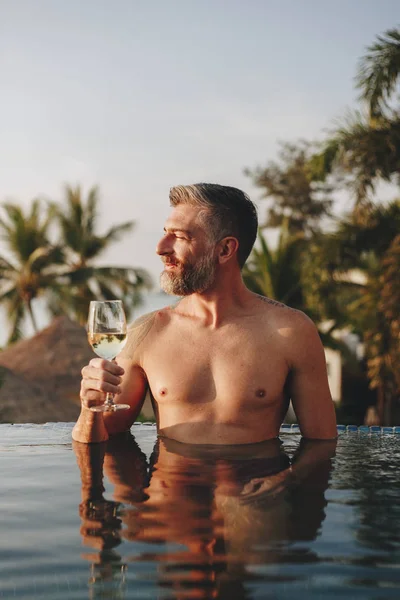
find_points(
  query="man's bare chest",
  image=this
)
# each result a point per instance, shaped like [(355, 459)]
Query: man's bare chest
[(188, 368)]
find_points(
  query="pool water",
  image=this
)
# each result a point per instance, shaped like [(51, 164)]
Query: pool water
[(130, 520)]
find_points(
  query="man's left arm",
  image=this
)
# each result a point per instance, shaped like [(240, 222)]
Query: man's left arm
[(308, 384)]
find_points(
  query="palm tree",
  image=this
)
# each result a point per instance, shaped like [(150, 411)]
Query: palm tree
[(78, 222), (61, 273), (379, 71), (33, 266), (365, 146), (84, 281), (276, 273), (364, 151)]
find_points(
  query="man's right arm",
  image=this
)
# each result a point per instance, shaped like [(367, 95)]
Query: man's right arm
[(125, 378), (127, 381)]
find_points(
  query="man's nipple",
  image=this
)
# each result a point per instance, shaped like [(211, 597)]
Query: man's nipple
[(260, 393)]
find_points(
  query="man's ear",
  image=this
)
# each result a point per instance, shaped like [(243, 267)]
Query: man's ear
[(227, 248)]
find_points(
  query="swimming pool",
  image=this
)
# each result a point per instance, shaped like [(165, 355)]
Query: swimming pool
[(90, 521)]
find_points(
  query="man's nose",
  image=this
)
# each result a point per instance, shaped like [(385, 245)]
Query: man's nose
[(164, 246)]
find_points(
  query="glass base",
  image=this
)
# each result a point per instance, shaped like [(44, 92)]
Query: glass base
[(109, 407)]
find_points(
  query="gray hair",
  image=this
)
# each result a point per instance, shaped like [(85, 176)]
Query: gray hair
[(226, 211)]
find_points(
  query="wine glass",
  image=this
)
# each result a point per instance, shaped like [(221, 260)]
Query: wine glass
[(107, 336)]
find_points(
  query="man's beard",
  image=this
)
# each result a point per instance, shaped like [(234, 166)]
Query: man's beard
[(191, 279)]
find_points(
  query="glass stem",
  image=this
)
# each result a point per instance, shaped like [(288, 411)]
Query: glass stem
[(109, 396), (109, 399)]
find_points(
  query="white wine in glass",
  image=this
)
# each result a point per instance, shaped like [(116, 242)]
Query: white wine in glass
[(107, 336)]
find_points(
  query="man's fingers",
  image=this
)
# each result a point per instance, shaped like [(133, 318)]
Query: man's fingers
[(93, 392), (91, 373), (262, 489), (99, 385), (106, 365), (100, 377)]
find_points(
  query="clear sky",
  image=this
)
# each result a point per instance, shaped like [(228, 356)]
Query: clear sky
[(138, 96)]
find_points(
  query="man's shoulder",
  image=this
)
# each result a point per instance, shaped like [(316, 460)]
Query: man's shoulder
[(277, 309), (290, 321), (140, 330), (145, 323), (142, 323)]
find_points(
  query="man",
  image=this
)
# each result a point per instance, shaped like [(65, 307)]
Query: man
[(222, 363)]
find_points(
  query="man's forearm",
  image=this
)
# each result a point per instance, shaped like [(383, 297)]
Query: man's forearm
[(90, 427), (312, 455), (90, 459)]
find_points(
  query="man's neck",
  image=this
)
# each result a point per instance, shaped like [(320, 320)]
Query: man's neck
[(219, 303)]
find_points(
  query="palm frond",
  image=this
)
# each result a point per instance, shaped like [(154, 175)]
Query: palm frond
[(8, 293), (365, 152), (6, 266), (44, 257), (49, 216), (91, 210), (14, 213), (24, 232), (379, 70), (258, 272), (275, 273), (35, 212), (115, 233), (74, 205)]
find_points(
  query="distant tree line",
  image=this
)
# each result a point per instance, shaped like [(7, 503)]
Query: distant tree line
[(343, 271)]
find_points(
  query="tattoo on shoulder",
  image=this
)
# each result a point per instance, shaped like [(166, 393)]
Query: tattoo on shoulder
[(273, 302)]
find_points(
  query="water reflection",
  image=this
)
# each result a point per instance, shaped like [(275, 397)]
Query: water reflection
[(210, 519), (101, 519), (369, 465)]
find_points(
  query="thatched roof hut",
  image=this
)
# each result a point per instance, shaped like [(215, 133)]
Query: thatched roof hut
[(40, 376)]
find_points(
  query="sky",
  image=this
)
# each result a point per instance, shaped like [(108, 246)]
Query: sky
[(139, 96)]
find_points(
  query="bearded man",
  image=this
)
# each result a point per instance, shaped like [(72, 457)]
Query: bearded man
[(222, 363)]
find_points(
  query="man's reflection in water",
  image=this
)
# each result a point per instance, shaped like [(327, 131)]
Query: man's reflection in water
[(221, 512), (101, 520)]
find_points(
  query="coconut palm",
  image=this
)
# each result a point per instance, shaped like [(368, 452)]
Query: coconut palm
[(63, 274), (275, 273), (33, 264), (379, 71), (365, 146), (84, 281), (75, 287), (78, 220), (364, 151)]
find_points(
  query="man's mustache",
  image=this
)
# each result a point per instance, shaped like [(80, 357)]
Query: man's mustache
[(169, 261)]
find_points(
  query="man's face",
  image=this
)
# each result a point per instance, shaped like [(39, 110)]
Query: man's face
[(187, 253)]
